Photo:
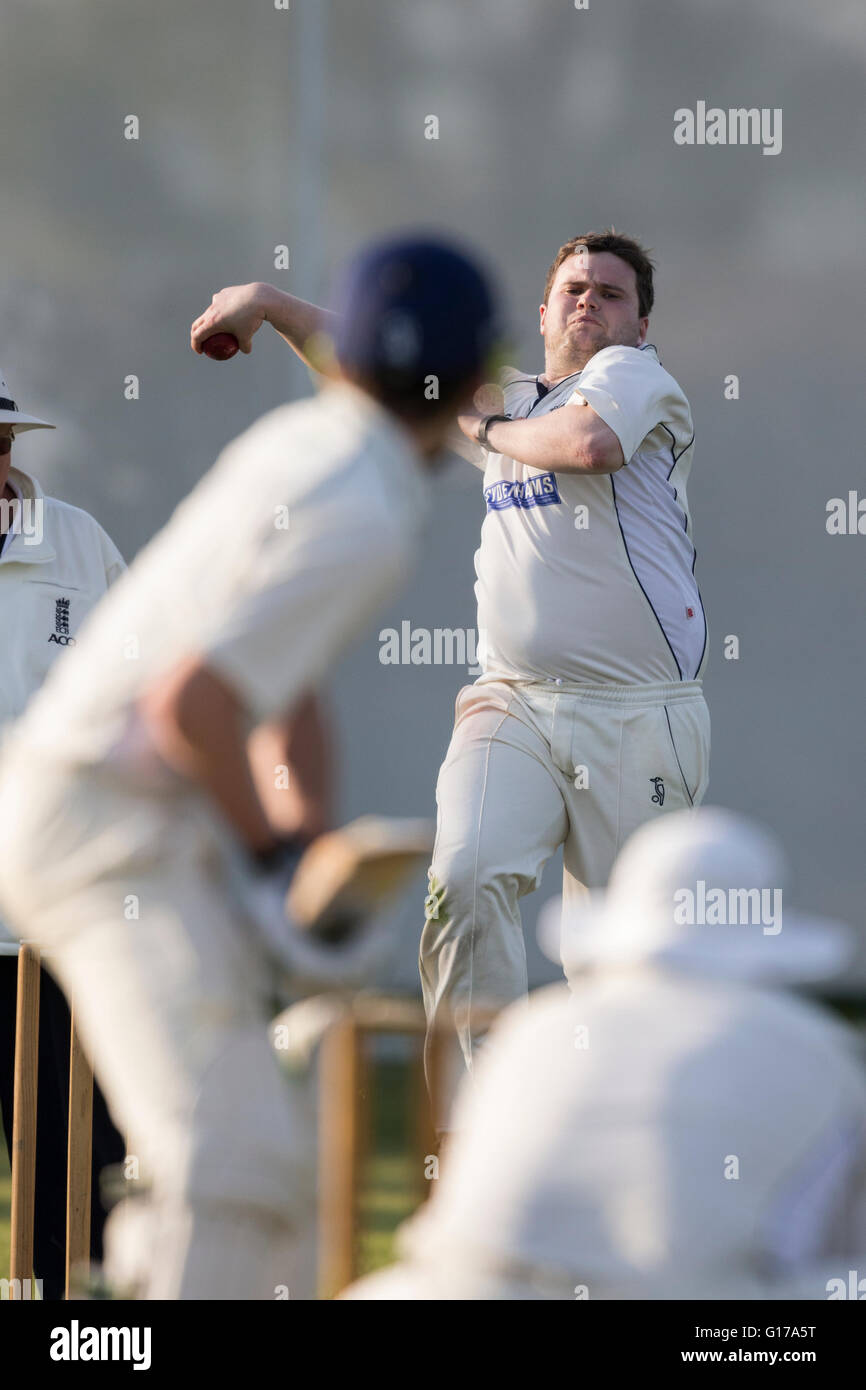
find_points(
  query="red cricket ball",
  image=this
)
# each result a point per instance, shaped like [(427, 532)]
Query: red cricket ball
[(220, 346)]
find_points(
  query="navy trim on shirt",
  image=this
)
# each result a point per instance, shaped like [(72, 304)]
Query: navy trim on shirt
[(637, 577)]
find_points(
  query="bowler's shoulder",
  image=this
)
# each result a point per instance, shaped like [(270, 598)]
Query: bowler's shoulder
[(635, 364), (643, 358), (510, 376), (519, 389)]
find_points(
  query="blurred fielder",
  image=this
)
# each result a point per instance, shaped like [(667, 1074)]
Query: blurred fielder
[(56, 563), (125, 790), (589, 717), (678, 1125)]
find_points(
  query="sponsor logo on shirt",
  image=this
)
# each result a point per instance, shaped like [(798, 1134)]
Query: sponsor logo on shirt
[(60, 635), (539, 491)]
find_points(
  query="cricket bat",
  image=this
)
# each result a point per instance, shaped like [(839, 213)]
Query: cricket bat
[(351, 874)]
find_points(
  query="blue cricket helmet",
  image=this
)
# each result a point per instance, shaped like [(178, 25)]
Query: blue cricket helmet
[(411, 307)]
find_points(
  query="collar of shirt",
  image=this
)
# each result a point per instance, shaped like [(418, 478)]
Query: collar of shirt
[(18, 548), (543, 388)]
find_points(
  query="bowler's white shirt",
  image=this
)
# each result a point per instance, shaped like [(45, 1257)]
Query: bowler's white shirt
[(267, 571), (590, 577)]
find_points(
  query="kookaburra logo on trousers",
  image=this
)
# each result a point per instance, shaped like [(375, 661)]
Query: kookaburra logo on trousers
[(61, 624), (659, 794)]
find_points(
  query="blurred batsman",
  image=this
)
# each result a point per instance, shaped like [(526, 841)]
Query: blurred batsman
[(136, 846), (677, 1126)]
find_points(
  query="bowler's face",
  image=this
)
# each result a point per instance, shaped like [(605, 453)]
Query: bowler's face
[(593, 304)]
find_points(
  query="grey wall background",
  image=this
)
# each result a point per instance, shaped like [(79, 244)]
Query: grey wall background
[(306, 127)]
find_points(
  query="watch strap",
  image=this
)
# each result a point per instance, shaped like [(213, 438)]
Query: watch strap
[(485, 426)]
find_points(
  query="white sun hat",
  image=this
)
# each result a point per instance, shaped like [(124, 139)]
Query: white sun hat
[(699, 890), (11, 415)]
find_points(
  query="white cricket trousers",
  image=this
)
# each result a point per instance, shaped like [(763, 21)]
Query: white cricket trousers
[(124, 895), (532, 767)]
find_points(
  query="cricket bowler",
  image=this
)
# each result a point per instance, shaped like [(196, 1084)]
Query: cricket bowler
[(126, 789), (589, 717)]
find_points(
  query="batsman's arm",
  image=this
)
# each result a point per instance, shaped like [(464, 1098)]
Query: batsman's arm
[(242, 309), (198, 726), (291, 760)]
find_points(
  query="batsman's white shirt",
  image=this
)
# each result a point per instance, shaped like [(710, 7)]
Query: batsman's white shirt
[(590, 578), (267, 570)]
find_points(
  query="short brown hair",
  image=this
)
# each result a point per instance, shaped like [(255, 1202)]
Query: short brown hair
[(626, 248)]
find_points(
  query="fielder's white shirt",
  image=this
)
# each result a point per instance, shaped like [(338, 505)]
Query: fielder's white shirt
[(267, 570), (590, 578), (55, 565), (619, 1153)]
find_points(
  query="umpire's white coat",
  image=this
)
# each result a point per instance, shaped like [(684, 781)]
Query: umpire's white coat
[(55, 565)]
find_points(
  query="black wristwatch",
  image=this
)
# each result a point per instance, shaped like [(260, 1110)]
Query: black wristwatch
[(485, 426)]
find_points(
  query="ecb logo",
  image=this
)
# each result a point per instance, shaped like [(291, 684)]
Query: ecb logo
[(61, 634)]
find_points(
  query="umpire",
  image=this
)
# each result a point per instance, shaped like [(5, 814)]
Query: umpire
[(56, 563)]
